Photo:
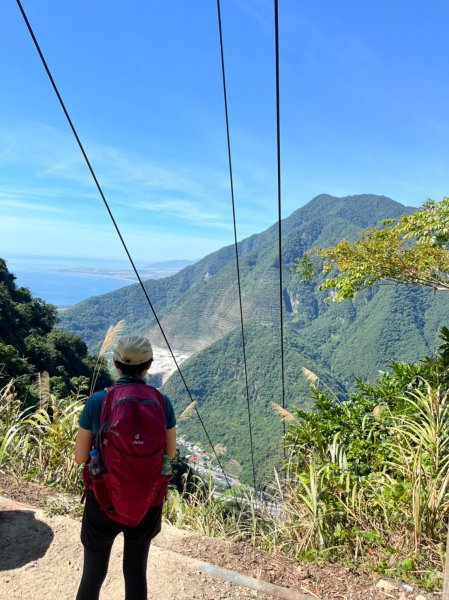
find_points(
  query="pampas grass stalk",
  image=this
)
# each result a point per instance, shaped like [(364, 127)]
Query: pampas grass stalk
[(187, 412), (309, 375), (43, 382), (315, 380), (109, 339), (282, 412)]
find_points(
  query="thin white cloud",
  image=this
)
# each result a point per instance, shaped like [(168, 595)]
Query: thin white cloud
[(47, 199), (121, 170), (44, 166), (36, 143), (7, 202), (48, 154), (35, 191), (126, 179), (43, 226), (182, 209)]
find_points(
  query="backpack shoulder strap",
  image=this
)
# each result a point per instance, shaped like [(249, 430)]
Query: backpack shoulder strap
[(105, 410), (161, 399)]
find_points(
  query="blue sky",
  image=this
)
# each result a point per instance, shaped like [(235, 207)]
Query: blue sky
[(364, 109)]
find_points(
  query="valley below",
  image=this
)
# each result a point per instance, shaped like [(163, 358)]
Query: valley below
[(163, 364)]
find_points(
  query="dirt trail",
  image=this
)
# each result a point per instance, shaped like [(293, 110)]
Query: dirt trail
[(41, 557)]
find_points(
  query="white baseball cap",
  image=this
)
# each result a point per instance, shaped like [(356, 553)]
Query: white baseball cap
[(133, 350)]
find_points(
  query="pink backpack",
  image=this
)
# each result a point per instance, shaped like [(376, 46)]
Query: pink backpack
[(132, 444)]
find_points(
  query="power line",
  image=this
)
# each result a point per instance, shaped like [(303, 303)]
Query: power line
[(225, 96), (61, 102), (278, 148)]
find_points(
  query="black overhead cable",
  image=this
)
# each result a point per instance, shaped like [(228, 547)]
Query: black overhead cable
[(278, 143), (116, 226), (235, 237)]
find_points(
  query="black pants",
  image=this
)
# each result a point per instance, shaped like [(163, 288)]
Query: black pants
[(135, 558), (98, 533)]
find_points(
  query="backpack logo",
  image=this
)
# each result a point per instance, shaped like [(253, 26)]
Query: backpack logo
[(137, 440)]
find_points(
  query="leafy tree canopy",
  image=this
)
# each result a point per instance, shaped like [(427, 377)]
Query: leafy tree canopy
[(30, 344), (412, 250)]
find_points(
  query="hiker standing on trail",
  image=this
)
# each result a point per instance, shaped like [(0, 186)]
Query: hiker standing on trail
[(129, 433)]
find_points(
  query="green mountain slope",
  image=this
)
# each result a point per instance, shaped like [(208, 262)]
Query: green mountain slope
[(353, 339), (216, 380), (199, 310), (199, 305)]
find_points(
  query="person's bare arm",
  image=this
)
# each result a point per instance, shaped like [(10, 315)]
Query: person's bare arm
[(83, 445), (171, 442)]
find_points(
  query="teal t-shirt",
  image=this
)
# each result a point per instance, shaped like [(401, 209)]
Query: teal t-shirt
[(90, 416)]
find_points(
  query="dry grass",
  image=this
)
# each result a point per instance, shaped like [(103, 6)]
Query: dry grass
[(187, 413), (43, 384), (309, 375), (110, 338)]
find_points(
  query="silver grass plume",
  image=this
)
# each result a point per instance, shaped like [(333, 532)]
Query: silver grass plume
[(111, 336), (186, 413), (282, 412), (309, 375), (109, 339), (43, 382)]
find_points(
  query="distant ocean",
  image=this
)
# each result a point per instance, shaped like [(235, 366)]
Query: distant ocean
[(58, 281)]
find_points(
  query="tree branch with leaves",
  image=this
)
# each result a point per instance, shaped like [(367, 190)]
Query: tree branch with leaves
[(413, 249)]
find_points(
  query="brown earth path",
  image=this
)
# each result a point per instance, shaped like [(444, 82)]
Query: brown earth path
[(41, 557)]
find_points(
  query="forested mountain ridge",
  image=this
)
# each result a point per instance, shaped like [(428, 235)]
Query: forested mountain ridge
[(199, 311), (199, 304)]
